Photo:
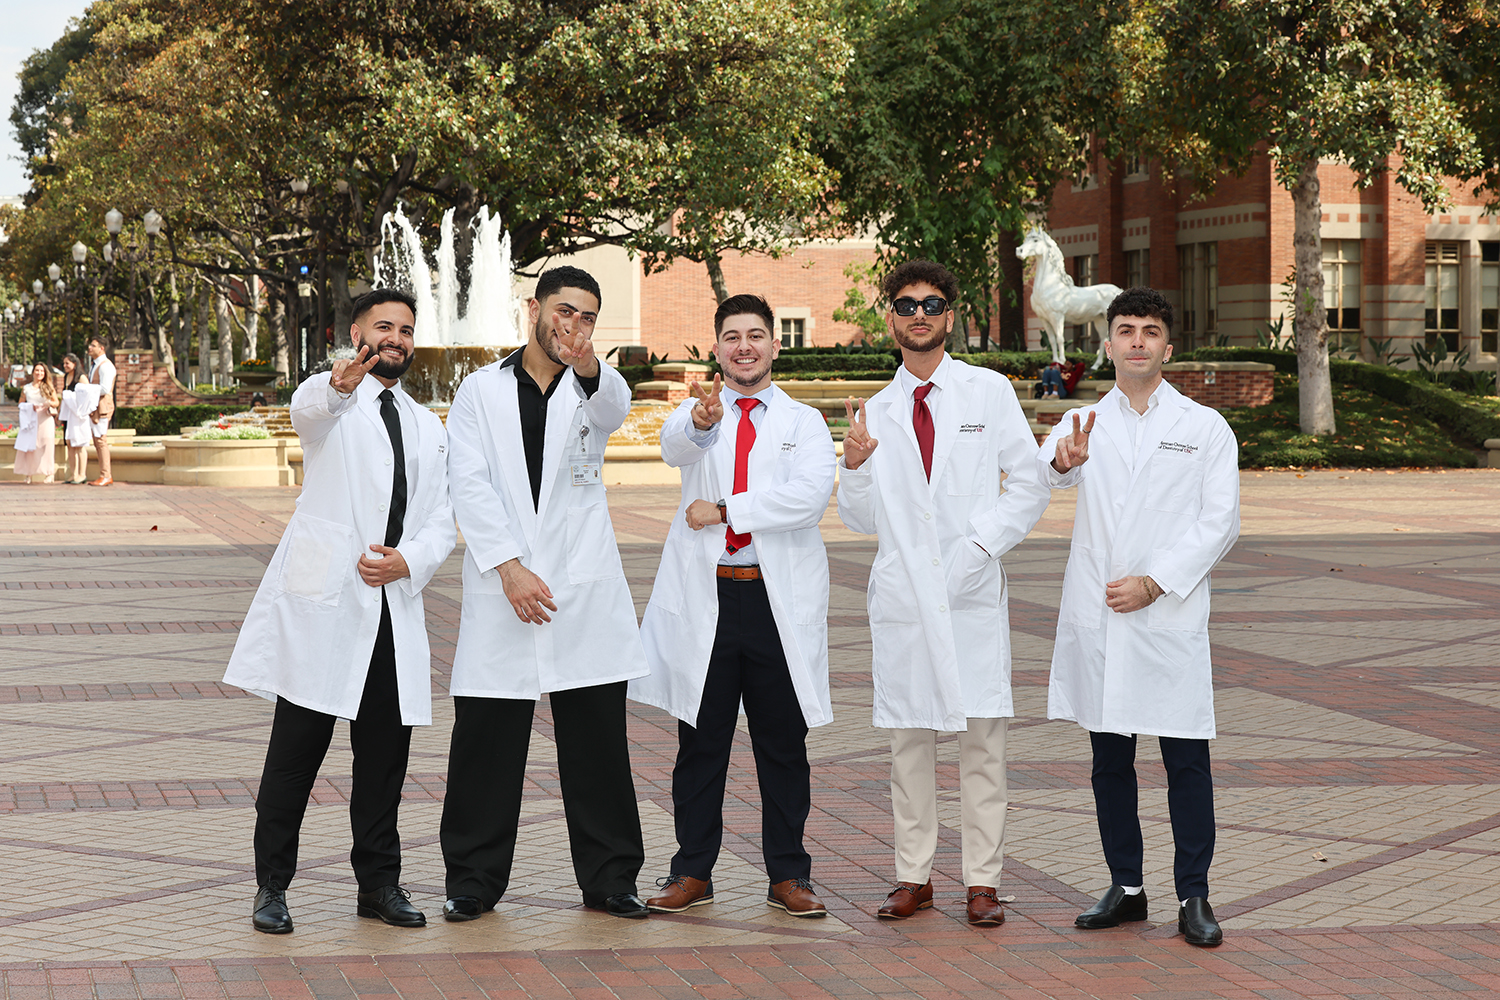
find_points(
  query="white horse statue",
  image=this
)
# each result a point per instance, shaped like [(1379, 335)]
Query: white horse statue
[(1057, 301)]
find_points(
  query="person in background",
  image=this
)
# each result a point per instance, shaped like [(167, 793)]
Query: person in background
[(42, 394), (103, 374), (76, 470)]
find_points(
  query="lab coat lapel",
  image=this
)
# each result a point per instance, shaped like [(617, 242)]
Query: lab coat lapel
[(560, 410), (505, 430), (1171, 403), (953, 397)]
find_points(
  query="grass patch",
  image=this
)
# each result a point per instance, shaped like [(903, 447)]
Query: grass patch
[(1372, 433)]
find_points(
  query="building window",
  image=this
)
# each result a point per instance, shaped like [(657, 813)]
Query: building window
[(1085, 270), (1489, 295), (1137, 268), (1198, 284), (1135, 165), (1442, 295), (1341, 293), (793, 332)]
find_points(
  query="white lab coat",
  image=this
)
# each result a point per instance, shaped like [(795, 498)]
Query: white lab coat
[(1172, 519), (791, 474), (310, 630), (939, 620), (567, 539)]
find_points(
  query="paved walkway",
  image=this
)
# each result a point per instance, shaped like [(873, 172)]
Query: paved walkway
[(1359, 803)]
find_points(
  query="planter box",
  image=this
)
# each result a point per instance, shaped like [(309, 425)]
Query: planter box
[(119, 441), (227, 463)]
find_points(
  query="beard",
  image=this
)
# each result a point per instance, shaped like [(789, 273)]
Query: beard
[(732, 373), (388, 369), (543, 338), (935, 338)]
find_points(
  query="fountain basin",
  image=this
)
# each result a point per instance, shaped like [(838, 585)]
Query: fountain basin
[(435, 372)]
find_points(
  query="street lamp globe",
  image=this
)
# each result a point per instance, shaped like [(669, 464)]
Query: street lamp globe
[(53, 272), (80, 253), (25, 298), (109, 253), (299, 185), (153, 221), (61, 287), (36, 287), (114, 221)]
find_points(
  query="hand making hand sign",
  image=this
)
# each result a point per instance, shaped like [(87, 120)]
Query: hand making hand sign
[(575, 347), (1073, 449), (348, 373), (858, 445), (709, 409)]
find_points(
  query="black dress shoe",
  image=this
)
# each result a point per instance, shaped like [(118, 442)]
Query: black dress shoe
[(1196, 922), (624, 904), (464, 908), (270, 915), (1114, 908), (392, 904)]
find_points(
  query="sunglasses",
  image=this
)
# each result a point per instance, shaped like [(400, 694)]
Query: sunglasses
[(932, 306)]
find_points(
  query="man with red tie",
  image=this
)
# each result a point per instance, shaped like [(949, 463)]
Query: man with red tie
[(940, 631), (739, 611)]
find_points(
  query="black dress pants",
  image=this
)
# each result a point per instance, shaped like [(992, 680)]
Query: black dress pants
[(486, 772), (1190, 802), (299, 742), (747, 664)]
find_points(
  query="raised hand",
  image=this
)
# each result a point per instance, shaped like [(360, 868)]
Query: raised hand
[(575, 348), (528, 594), (348, 373), (1073, 449), (858, 445), (709, 409)]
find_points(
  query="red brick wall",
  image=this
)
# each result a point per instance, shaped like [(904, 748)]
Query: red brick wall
[(140, 381), (677, 305), (1228, 389)]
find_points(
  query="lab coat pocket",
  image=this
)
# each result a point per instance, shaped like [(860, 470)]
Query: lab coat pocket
[(592, 553), (1083, 588), (968, 469), (1186, 614), (1174, 483), (318, 559), (890, 599), (973, 579)]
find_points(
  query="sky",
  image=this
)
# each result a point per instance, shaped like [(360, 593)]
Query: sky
[(25, 26)]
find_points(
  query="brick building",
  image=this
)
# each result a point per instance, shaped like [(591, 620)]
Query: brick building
[(1391, 271)]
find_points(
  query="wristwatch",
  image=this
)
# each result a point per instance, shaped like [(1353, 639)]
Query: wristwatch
[(723, 513)]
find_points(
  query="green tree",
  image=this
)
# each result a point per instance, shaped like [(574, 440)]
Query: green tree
[(958, 117), (1365, 82), (44, 108)]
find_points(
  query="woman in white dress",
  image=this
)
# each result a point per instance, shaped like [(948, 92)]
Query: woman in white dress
[(41, 393), (78, 458)]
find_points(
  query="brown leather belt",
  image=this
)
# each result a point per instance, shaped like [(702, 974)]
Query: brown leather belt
[(739, 572)]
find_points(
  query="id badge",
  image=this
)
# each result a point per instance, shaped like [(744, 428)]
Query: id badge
[(587, 473)]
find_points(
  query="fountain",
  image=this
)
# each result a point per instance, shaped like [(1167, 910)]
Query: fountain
[(449, 343)]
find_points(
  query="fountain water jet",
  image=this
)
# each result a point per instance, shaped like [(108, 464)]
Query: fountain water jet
[(449, 345)]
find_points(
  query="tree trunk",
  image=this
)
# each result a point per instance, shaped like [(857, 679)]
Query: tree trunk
[(1314, 388), (958, 337), (716, 278), (279, 320), (343, 304), (205, 342), (252, 315), (180, 332), (225, 334), (1011, 328)]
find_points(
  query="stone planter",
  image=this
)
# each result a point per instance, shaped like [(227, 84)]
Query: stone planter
[(227, 463), (119, 441)]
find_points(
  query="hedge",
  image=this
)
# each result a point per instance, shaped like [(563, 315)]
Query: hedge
[(876, 375), (160, 420), (1285, 361), (1021, 364), (834, 363)]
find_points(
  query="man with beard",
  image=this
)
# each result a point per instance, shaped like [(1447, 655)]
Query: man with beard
[(938, 620), (739, 611), (546, 609), (337, 630)]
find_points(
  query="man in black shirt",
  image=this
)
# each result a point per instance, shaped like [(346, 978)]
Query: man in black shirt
[(546, 609)]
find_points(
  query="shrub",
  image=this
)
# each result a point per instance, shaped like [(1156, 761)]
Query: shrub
[(830, 362), (157, 420), (1023, 364), (242, 432), (875, 375)]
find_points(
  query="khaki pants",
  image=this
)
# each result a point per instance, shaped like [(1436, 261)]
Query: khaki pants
[(982, 789)]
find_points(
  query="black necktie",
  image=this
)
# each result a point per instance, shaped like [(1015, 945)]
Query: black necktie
[(392, 419)]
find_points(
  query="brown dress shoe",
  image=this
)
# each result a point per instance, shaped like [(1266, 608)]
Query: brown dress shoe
[(984, 907), (904, 900), (680, 892), (796, 897)]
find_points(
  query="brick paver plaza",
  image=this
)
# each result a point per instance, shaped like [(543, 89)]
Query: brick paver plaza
[(1356, 639)]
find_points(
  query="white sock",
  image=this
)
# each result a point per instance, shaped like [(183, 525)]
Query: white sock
[(1133, 890)]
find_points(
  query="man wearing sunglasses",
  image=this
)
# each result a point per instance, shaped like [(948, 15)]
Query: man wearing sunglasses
[(922, 468)]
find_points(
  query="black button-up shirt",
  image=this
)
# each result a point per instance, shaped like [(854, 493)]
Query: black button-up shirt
[(533, 405)]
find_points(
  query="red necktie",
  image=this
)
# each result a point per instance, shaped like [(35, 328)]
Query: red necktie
[(921, 422), (743, 442)]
